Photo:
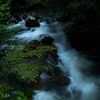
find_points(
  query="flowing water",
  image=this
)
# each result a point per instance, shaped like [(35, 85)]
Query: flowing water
[(83, 85)]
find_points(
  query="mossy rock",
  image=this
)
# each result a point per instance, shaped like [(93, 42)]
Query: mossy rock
[(25, 72), (34, 44)]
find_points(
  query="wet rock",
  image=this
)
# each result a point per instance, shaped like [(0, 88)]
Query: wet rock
[(32, 23), (25, 16), (47, 40), (49, 58), (41, 19), (18, 17), (15, 19), (52, 78), (34, 44), (37, 18), (33, 30), (28, 29)]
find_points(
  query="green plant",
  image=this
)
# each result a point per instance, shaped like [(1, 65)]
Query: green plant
[(5, 33), (3, 90), (26, 71), (20, 95), (4, 13)]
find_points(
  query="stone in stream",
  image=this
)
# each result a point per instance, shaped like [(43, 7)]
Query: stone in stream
[(47, 40), (15, 19), (33, 30), (32, 23), (25, 16)]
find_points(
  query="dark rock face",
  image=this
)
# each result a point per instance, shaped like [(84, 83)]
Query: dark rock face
[(52, 78), (47, 40), (32, 23), (49, 58)]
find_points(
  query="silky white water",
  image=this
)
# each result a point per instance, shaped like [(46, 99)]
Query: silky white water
[(83, 85)]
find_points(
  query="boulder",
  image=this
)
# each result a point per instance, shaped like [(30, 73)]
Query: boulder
[(39, 18), (49, 58), (47, 40), (32, 23), (34, 44), (53, 77), (25, 16), (15, 19), (33, 30)]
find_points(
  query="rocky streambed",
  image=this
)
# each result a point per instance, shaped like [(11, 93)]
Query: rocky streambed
[(48, 62)]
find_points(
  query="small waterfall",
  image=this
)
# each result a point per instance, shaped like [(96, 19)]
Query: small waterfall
[(83, 85)]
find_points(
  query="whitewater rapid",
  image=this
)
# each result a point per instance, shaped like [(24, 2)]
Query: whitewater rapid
[(83, 85)]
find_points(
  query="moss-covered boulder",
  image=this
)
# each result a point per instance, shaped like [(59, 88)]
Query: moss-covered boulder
[(34, 44), (22, 71)]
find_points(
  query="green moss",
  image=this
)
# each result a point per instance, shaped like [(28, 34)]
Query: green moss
[(26, 71)]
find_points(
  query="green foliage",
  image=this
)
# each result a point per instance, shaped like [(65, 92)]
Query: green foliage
[(5, 34), (3, 89), (26, 71), (25, 94), (4, 13), (23, 71), (20, 95)]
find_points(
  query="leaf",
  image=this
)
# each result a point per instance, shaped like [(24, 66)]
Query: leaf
[(21, 93), (15, 92), (25, 98), (19, 98)]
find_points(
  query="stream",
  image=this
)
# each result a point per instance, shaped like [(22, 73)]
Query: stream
[(83, 84)]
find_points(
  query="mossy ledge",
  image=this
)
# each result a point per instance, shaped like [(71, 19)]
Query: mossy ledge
[(25, 72)]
